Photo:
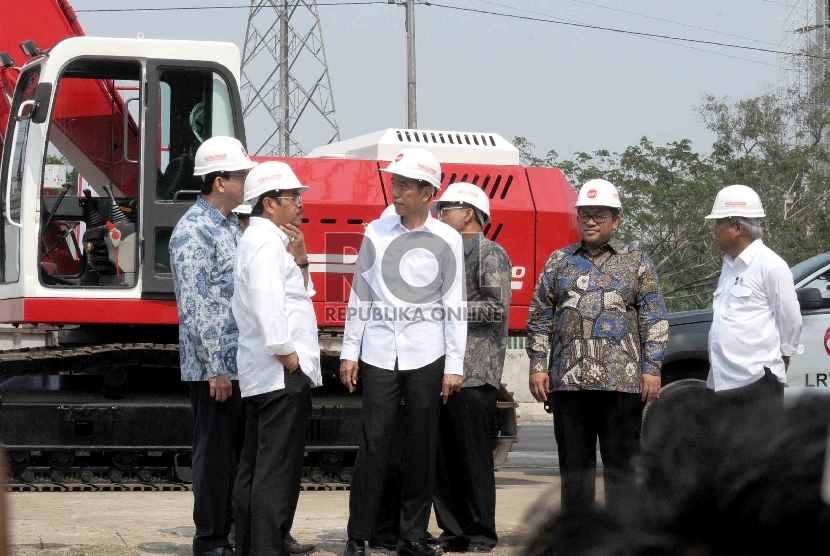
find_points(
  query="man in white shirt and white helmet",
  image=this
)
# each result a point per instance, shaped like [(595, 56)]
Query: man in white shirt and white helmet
[(405, 323), (278, 359), (756, 324)]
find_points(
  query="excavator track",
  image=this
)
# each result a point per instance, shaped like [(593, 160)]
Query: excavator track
[(75, 419)]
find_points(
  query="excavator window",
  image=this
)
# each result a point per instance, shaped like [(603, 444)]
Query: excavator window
[(90, 179), (195, 105), (9, 233)]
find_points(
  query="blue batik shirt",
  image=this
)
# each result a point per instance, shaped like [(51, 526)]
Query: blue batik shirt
[(600, 318), (202, 249)]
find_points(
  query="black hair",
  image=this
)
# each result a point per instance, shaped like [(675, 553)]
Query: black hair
[(258, 207), (208, 179)]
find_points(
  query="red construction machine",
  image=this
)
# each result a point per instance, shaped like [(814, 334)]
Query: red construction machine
[(99, 135)]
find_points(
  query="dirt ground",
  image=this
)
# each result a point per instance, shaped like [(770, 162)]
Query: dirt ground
[(140, 523)]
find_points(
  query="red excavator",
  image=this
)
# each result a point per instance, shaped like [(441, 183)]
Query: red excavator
[(97, 168)]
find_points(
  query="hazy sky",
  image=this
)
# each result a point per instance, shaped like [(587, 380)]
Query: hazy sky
[(564, 88)]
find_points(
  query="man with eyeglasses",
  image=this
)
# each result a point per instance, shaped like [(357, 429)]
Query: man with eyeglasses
[(756, 321), (279, 360), (598, 314), (202, 248), (465, 492)]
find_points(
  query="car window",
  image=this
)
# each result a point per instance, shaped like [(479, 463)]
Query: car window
[(803, 269), (822, 283)]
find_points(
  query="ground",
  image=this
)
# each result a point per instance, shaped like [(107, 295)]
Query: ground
[(140, 523)]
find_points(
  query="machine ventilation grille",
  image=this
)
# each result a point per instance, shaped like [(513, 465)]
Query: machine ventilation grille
[(445, 138), (493, 185)]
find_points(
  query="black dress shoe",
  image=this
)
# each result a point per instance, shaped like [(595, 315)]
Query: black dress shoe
[(355, 548), (383, 545), (409, 548), (293, 547), (221, 551), (478, 547)]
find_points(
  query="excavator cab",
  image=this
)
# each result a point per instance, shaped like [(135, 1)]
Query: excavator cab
[(98, 165)]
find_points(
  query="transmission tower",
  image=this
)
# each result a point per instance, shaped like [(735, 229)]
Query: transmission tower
[(805, 31), (287, 99)]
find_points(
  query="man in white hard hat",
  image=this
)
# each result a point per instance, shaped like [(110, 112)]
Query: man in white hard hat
[(243, 216), (465, 495), (756, 323), (598, 313), (405, 322), (279, 359), (202, 248)]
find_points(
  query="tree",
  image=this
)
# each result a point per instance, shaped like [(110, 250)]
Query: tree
[(779, 148)]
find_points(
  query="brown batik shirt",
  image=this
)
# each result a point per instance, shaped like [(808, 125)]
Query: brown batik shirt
[(601, 319), (487, 269)]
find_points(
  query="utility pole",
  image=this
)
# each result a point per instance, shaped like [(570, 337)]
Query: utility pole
[(411, 109)]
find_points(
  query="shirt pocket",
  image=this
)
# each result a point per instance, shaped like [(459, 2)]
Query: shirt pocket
[(739, 295)]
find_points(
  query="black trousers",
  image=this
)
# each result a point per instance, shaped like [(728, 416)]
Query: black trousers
[(382, 391), (465, 488), (389, 514), (215, 431), (767, 393), (579, 419), (271, 468)]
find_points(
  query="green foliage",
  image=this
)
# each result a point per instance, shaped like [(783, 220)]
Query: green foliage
[(772, 145)]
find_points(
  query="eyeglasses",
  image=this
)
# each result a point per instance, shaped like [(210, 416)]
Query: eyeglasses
[(598, 217), (238, 176), (445, 210), (296, 199)]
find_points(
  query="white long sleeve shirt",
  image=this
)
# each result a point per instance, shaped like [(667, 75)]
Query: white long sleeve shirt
[(408, 300), (273, 311), (756, 320)]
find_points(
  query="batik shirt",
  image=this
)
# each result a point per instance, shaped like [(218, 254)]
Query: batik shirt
[(202, 249), (600, 318), (487, 269)]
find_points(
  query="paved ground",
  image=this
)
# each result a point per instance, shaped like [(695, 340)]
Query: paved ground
[(120, 523)]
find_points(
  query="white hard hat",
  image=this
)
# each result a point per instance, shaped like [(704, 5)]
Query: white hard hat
[(598, 193), (737, 200), (271, 176), (467, 193), (243, 210), (388, 211), (416, 164), (221, 154)]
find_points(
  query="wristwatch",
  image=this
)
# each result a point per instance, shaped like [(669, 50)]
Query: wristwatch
[(303, 265)]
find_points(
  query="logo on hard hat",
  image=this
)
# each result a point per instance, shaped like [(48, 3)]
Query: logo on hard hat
[(426, 169), (211, 158), (592, 194), (399, 157), (244, 153), (735, 204), (275, 177)]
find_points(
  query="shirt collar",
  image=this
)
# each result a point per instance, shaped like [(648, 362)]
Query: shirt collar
[(268, 226), (746, 255), (396, 222), (215, 216), (614, 245), (471, 243)]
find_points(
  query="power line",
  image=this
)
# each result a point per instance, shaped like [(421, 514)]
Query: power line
[(246, 6), (655, 18), (624, 31), (647, 38)]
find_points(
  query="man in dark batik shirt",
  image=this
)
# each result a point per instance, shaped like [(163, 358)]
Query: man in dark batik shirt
[(598, 313), (465, 493)]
